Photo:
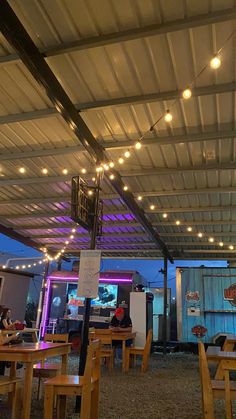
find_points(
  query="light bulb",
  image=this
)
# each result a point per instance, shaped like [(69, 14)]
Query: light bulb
[(127, 154), (17, 267), (71, 236), (4, 267), (200, 234), (83, 171), (22, 170), (187, 94), (168, 116), (67, 242), (23, 266), (112, 177), (231, 247), (106, 167), (125, 188), (152, 207), (62, 251), (221, 244), (111, 164), (215, 62), (73, 230), (211, 239), (140, 198), (138, 145), (189, 229), (29, 266), (65, 171), (164, 215), (121, 160), (93, 179), (177, 222), (90, 192), (45, 171)]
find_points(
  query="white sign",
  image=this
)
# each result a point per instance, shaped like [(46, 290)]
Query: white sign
[(89, 270)]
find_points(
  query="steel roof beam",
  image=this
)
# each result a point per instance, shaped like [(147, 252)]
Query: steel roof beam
[(134, 33), (19, 39), (121, 101), (116, 145)]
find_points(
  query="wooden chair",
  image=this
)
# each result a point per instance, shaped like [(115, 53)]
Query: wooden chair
[(47, 370), (87, 386), (12, 386), (133, 351), (106, 351), (214, 389)]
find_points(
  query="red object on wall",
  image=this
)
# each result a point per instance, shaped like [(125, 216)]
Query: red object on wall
[(199, 330)]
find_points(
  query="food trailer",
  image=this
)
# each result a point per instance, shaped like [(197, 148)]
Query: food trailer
[(61, 303), (206, 303)]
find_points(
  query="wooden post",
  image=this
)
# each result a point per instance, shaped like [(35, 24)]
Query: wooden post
[(164, 330)]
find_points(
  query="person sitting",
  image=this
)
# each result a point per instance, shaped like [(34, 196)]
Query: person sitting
[(5, 321), (3, 341), (121, 322)]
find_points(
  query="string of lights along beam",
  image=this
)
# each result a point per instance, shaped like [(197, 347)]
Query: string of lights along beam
[(214, 64)]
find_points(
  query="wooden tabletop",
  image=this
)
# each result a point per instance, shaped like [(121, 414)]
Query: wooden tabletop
[(123, 335), (11, 331), (32, 347), (221, 355)]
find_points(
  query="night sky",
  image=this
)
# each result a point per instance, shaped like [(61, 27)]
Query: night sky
[(149, 269)]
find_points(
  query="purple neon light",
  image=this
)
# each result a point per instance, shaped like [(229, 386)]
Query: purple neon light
[(119, 280), (46, 307)]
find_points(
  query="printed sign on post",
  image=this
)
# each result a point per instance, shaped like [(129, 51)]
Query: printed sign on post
[(89, 273)]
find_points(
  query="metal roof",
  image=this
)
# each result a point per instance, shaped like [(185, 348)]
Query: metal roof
[(123, 64)]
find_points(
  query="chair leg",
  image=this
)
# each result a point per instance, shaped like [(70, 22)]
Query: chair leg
[(48, 402), (86, 410), (16, 402), (38, 389), (127, 360), (144, 363), (95, 401), (61, 407), (228, 405)]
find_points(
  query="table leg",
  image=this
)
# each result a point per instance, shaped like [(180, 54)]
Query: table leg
[(34, 337), (123, 355), (12, 375), (64, 364), (27, 390)]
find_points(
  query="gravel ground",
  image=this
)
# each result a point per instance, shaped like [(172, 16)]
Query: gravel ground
[(170, 389)]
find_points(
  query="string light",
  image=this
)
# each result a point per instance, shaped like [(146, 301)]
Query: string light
[(215, 62), (152, 207), (73, 230), (106, 167), (121, 160), (140, 198), (127, 154), (83, 171), (111, 164), (168, 116), (177, 222), (211, 239), (94, 179), (125, 188), (22, 170), (189, 229), (65, 171), (187, 93), (90, 192), (138, 145), (164, 215), (221, 244), (200, 234), (231, 247), (112, 177), (45, 171)]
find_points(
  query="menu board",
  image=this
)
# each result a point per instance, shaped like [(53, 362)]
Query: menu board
[(89, 271)]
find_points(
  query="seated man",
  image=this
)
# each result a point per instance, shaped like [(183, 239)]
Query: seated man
[(121, 322)]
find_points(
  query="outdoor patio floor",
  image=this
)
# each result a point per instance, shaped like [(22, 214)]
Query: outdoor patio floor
[(170, 389)]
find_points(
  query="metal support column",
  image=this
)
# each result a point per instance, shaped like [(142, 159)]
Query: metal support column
[(165, 306), (85, 327), (41, 297)]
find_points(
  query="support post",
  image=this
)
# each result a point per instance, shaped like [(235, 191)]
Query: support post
[(165, 306), (41, 297), (85, 327)]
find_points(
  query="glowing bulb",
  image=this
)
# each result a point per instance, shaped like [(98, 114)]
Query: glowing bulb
[(65, 171), (221, 244), (45, 171), (90, 192), (215, 62), (189, 229), (94, 179), (168, 116), (152, 207), (187, 94), (71, 236), (231, 247), (73, 230), (17, 267), (34, 264), (40, 262), (23, 266), (140, 198), (106, 167), (22, 170), (4, 267), (164, 215), (138, 145), (29, 266), (200, 234), (112, 177), (99, 169), (111, 164), (67, 242), (121, 160), (125, 188), (83, 171), (127, 154), (211, 239), (177, 222), (62, 251)]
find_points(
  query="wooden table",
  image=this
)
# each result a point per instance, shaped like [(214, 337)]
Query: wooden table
[(230, 341), (123, 337), (221, 357), (30, 354), (28, 330)]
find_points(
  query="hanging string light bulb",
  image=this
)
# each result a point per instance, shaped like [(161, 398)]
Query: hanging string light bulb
[(215, 62), (138, 145), (121, 160), (168, 116), (187, 93), (127, 154)]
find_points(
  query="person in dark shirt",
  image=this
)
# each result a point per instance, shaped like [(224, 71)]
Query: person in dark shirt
[(121, 322)]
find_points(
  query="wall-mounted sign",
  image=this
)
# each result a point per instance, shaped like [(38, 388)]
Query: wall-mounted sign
[(199, 330), (193, 311), (230, 294), (192, 296), (89, 273)]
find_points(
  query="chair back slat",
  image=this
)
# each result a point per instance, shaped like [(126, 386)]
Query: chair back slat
[(104, 335), (56, 337), (92, 367), (147, 347)]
